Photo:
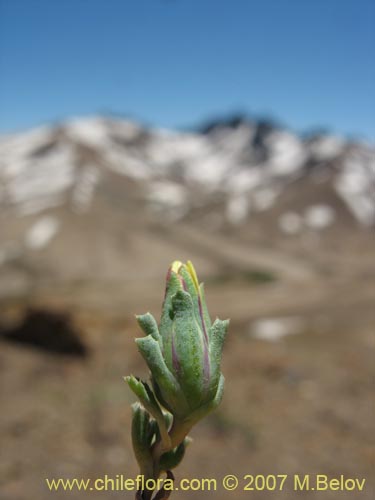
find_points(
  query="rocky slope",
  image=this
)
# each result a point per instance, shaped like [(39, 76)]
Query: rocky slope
[(99, 198)]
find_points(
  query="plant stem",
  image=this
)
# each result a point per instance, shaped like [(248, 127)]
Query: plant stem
[(177, 434)]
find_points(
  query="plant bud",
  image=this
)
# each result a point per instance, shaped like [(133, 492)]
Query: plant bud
[(184, 351)]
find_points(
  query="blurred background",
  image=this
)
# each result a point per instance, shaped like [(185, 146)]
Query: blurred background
[(239, 135)]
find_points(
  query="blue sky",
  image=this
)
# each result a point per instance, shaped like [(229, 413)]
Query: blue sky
[(175, 63)]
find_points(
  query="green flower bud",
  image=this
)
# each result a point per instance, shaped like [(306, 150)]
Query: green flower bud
[(184, 352)]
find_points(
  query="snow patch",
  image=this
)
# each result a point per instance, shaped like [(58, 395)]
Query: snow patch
[(237, 209), (356, 183), (245, 179), (326, 147), (287, 153), (264, 198), (42, 232), (274, 329), (15, 146), (319, 216), (85, 187), (168, 196), (29, 187), (127, 163), (91, 131)]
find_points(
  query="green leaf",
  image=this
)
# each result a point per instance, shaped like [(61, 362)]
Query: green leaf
[(204, 410), (172, 458), (147, 398), (148, 324), (190, 348), (217, 336), (141, 439), (167, 384)]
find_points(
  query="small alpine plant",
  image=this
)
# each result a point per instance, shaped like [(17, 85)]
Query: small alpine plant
[(183, 354)]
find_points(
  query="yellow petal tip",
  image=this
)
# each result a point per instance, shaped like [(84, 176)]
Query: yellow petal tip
[(175, 266)]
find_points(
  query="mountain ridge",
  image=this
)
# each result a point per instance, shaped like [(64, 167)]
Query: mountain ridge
[(90, 193)]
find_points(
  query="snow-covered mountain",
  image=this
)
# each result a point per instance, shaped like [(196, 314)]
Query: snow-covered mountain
[(108, 178), (245, 163)]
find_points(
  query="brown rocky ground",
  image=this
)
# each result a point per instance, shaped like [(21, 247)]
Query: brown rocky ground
[(303, 404)]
